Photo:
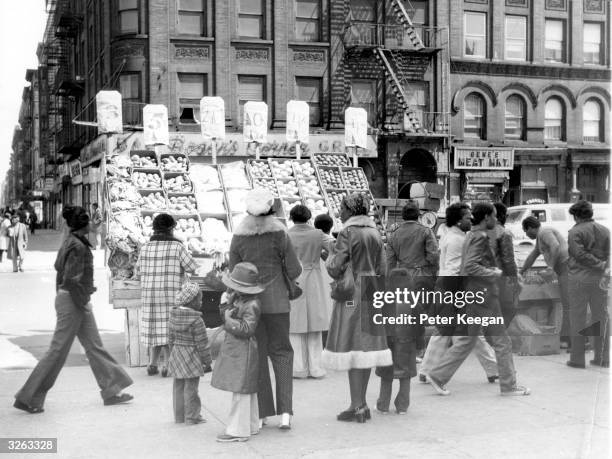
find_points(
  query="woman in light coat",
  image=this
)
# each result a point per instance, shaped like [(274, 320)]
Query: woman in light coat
[(309, 313), (18, 243), (4, 237)]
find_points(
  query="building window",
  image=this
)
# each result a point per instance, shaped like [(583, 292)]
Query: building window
[(129, 87), (516, 38), (250, 88), (308, 20), (515, 118), (309, 90), (474, 116), (592, 43), (475, 34), (363, 94), (128, 16), (251, 18), (591, 121), (554, 41), (554, 120), (192, 87), (192, 17)]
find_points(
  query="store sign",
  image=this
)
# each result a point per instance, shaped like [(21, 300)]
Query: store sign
[(255, 122), (63, 170), (48, 186), (356, 127), (212, 118), (108, 110), (484, 158), (298, 121), (155, 123), (76, 173)]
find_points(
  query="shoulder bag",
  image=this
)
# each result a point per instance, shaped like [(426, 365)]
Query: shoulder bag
[(343, 289)]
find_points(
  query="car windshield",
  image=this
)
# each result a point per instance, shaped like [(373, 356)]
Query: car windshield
[(514, 216)]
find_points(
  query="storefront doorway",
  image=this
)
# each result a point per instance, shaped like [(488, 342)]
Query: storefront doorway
[(416, 165)]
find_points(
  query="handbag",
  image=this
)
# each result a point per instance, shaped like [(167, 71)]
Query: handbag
[(343, 289)]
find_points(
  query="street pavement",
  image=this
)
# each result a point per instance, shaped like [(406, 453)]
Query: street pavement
[(567, 415)]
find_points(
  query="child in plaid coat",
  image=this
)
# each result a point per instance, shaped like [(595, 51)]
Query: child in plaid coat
[(189, 353)]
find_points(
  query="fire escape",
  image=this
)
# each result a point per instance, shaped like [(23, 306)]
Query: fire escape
[(405, 52)]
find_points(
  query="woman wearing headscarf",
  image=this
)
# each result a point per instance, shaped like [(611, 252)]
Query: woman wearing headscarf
[(162, 264), (262, 239), (74, 284), (354, 342)]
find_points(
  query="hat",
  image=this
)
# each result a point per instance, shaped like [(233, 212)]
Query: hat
[(187, 293), (243, 279), (259, 202)]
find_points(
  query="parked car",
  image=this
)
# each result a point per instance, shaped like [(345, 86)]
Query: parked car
[(556, 215)]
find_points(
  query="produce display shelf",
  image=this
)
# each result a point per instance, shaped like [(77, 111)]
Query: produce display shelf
[(359, 171), (321, 173), (230, 186), (253, 170), (182, 195), (276, 165), (144, 154), (320, 159), (144, 193), (165, 168), (172, 175)]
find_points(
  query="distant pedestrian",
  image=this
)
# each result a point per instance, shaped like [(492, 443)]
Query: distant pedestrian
[(74, 285), (589, 264), (96, 225), (189, 353), (553, 246), (18, 243), (4, 234), (309, 313), (325, 223), (237, 367), (162, 265)]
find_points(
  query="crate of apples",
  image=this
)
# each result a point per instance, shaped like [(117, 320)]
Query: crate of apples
[(316, 206), (147, 162), (331, 160), (260, 169), (267, 184), (288, 189), (281, 169), (173, 163), (310, 187), (178, 184), (335, 199), (146, 180), (183, 204), (355, 179), (331, 178), (304, 169), (153, 201), (187, 228)]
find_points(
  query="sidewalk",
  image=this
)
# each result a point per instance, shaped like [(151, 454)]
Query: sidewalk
[(567, 416)]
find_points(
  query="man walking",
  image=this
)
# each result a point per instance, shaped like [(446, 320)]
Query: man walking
[(18, 242), (96, 225), (478, 265), (589, 262), (553, 247)]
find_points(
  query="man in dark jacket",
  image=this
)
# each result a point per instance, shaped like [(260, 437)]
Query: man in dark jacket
[(589, 263)]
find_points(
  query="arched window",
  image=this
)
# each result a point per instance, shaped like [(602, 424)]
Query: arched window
[(515, 118), (474, 116), (591, 121), (554, 120)]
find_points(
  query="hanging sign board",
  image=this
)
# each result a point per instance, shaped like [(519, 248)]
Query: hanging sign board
[(498, 158), (356, 127), (255, 122), (108, 111), (298, 121), (212, 118), (155, 123)]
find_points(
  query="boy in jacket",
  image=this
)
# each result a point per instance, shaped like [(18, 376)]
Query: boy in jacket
[(236, 369), (189, 353)]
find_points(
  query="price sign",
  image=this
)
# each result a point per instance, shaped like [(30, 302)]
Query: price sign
[(356, 127), (212, 117), (298, 121), (108, 111), (155, 123), (255, 122)]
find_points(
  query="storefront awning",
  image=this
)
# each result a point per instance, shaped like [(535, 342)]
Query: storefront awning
[(487, 176)]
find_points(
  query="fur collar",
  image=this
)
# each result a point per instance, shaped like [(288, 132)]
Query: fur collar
[(360, 220), (252, 226)]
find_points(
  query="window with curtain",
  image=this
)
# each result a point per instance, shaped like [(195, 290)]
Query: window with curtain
[(191, 88), (554, 40), (515, 118), (591, 121), (129, 87), (128, 16), (554, 120), (475, 34), (192, 17), (592, 43), (474, 116), (308, 20), (309, 90), (250, 88), (363, 94), (251, 18), (516, 38)]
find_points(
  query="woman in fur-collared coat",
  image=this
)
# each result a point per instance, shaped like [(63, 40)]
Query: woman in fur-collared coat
[(262, 239)]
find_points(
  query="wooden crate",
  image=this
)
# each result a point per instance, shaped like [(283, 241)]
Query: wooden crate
[(136, 354)]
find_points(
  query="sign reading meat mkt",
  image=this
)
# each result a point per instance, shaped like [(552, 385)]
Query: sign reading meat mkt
[(501, 158)]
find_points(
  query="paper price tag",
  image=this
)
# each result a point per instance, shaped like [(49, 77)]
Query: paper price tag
[(108, 111), (212, 117), (255, 122), (155, 123), (298, 121), (356, 127)]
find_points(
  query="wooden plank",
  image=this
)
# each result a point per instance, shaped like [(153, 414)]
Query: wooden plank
[(136, 353), (129, 303)]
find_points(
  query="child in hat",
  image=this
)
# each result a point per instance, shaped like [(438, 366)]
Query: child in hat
[(189, 353), (236, 368)]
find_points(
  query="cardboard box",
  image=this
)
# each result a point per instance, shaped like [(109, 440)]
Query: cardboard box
[(545, 343)]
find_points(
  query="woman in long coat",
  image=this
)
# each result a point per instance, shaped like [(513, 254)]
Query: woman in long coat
[(262, 239), (162, 264), (309, 312), (18, 243), (4, 238), (354, 342)]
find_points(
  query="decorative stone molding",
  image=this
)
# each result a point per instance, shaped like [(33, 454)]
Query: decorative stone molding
[(252, 54), (560, 5), (516, 2), (192, 52), (128, 50), (594, 6), (309, 56)]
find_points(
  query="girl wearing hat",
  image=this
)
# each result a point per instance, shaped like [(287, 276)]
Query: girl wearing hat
[(74, 283), (189, 353), (237, 367), (162, 263)]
